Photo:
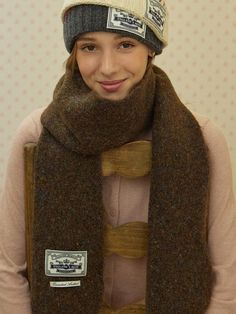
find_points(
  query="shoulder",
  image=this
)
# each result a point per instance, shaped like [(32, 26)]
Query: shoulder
[(30, 127), (218, 150), (213, 135), (28, 131)]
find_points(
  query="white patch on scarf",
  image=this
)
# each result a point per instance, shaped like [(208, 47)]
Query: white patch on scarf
[(65, 263), (65, 284)]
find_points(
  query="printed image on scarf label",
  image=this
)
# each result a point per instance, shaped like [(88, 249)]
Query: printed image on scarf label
[(121, 20), (156, 13), (65, 263)]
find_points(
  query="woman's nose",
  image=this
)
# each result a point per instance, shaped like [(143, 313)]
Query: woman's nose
[(109, 63)]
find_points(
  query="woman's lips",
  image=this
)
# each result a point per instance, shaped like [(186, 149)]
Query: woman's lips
[(111, 86)]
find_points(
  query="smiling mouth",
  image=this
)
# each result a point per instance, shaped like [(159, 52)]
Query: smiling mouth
[(111, 86)]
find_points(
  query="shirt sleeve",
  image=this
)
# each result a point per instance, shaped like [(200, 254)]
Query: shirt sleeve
[(14, 288), (222, 223)]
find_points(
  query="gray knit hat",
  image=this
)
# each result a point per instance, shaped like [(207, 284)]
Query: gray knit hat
[(150, 27)]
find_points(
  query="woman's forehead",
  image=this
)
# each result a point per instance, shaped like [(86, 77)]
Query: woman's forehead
[(94, 36)]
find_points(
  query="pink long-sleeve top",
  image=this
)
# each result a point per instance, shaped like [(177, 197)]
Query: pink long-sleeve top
[(125, 200)]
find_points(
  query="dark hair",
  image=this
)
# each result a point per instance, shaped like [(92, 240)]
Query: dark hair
[(71, 63)]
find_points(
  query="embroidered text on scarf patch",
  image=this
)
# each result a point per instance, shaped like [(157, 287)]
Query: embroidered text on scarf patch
[(156, 14), (65, 284), (124, 21), (65, 263)]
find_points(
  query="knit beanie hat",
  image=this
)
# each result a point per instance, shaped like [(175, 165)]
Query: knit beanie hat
[(144, 20)]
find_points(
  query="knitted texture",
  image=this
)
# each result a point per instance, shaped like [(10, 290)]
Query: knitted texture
[(78, 126), (93, 18), (146, 21)]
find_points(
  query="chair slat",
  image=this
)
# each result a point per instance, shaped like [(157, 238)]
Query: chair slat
[(136, 308), (129, 240), (130, 160), (29, 152)]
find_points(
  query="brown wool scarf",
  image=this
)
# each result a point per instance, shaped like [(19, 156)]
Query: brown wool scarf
[(69, 212)]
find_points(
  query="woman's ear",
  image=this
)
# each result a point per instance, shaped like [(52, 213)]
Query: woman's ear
[(151, 53)]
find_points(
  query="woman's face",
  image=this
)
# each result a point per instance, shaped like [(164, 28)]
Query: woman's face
[(111, 64)]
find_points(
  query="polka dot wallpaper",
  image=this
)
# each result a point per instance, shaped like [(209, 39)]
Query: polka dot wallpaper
[(200, 60)]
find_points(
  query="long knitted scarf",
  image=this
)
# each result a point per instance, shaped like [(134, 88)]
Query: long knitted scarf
[(69, 211)]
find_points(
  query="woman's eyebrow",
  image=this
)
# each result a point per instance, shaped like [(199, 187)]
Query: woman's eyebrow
[(88, 38)]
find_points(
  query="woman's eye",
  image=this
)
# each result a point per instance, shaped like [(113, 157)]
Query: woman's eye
[(89, 48), (127, 45)]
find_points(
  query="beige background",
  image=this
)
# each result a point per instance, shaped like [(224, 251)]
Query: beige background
[(200, 61)]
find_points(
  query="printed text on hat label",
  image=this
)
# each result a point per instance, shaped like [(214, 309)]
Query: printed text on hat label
[(156, 14), (124, 21)]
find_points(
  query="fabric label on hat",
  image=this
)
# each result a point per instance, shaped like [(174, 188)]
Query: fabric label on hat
[(65, 263), (156, 13), (122, 20)]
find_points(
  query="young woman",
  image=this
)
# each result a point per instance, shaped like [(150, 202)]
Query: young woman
[(111, 94)]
